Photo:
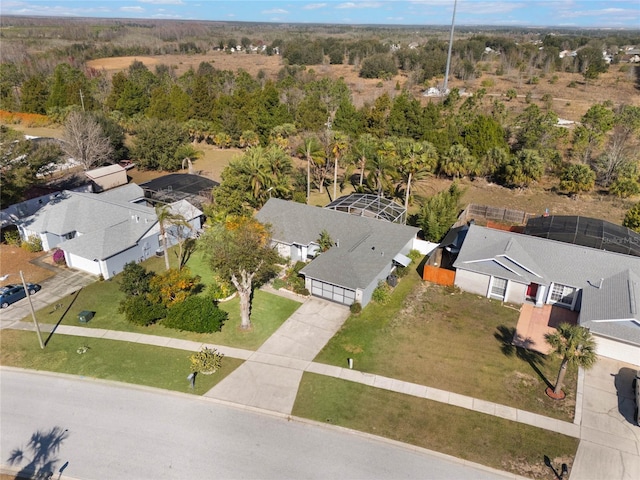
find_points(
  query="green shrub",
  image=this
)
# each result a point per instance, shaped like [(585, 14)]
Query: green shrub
[(572, 84), (279, 283), (12, 237), (534, 80), (139, 311), (553, 80), (219, 289), (382, 293), (355, 308), (195, 314), (624, 187), (299, 265), (401, 271), (488, 83), (415, 255), (32, 244), (511, 94), (207, 360)]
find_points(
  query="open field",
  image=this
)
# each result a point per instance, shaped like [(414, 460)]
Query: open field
[(571, 102)]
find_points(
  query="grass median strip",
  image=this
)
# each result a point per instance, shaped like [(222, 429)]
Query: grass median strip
[(472, 436), (139, 364)]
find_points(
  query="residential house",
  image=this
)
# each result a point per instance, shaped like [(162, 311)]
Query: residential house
[(365, 250), (100, 233), (603, 286)]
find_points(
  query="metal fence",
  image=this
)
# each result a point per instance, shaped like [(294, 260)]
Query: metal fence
[(496, 214)]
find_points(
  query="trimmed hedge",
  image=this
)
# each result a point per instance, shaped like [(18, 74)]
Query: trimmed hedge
[(195, 314)]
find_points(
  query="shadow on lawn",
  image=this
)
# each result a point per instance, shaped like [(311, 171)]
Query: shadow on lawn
[(506, 336), (74, 296)]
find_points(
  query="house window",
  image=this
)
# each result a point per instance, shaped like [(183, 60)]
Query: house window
[(498, 288), (70, 235), (562, 294)]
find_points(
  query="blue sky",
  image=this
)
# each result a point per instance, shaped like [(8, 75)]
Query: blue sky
[(569, 13)]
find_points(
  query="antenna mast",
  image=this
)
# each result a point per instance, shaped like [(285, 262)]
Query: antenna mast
[(446, 74)]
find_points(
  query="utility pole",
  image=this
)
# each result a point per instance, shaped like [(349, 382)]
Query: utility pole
[(33, 312), (446, 74)]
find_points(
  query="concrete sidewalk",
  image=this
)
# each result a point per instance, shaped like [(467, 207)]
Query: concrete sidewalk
[(270, 376), (269, 379)]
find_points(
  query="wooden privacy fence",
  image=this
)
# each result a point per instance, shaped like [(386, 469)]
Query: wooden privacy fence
[(497, 214), (441, 276)]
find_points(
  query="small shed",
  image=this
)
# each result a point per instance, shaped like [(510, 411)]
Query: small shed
[(104, 178)]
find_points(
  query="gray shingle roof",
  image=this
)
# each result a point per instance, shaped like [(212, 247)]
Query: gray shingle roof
[(608, 280), (365, 245), (105, 224)]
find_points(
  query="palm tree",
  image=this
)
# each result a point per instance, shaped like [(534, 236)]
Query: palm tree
[(311, 150), (339, 146), (576, 346), (457, 162), (384, 166), (364, 149), (418, 159), (166, 218)]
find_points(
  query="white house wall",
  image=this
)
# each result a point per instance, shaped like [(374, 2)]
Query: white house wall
[(516, 292), (472, 282), (617, 350), (84, 264)]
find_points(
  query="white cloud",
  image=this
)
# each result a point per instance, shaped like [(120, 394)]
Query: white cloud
[(314, 6), (275, 11), (163, 2), (132, 9), (360, 5)]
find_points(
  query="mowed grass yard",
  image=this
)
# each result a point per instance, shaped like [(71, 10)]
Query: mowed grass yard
[(443, 338), (134, 363), (454, 341), (472, 436), (103, 297)]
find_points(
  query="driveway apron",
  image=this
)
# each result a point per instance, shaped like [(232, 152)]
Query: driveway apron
[(269, 379), (610, 439)]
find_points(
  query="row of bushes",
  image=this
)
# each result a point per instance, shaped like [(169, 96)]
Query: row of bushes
[(170, 298)]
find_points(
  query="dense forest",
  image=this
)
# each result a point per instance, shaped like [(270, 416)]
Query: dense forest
[(158, 117)]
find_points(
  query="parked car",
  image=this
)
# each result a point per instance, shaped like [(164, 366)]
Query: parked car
[(12, 293)]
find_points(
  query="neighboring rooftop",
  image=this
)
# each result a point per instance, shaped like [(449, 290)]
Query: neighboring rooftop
[(364, 245), (373, 206), (585, 231)]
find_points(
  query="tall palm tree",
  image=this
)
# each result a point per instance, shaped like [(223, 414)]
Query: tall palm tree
[(384, 166), (339, 146), (166, 218), (576, 346), (311, 150), (364, 148), (417, 160)]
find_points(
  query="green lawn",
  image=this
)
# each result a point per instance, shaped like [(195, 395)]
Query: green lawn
[(452, 430), (444, 338), (268, 311), (159, 367)]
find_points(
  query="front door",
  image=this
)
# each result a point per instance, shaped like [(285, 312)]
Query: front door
[(532, 291)]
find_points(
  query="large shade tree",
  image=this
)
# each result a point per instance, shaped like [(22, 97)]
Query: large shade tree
[(240, 249), (575, 345)]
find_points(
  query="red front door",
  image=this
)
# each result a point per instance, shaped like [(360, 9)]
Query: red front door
[(532, 290)]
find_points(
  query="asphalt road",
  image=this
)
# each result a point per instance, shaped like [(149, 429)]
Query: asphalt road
[(107, 430)]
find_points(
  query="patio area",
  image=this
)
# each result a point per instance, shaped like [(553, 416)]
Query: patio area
[(534, 322)]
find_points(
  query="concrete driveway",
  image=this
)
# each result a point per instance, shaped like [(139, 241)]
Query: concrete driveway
[(65, 282), (269, 379), (610, 439)]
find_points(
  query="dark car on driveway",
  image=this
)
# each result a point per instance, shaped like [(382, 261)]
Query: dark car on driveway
[(12, 293)]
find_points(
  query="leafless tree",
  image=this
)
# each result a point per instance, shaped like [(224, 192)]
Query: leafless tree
[(85, 141)]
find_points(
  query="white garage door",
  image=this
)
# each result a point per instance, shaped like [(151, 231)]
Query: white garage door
[(333, 292)]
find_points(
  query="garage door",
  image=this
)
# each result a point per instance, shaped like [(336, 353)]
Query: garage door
[(333, 292)]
